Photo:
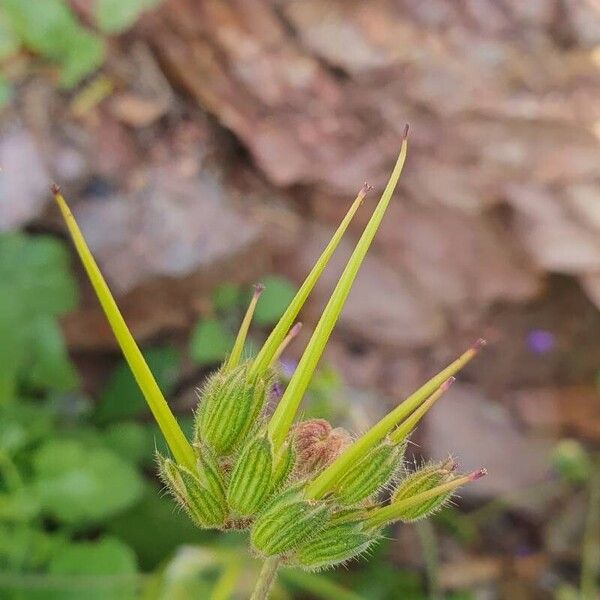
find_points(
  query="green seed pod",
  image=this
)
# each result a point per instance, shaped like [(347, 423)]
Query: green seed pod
[(421, 481), (203, 507), (338, 542), (370, 474), (283, 467), (287, 521), (251, 477), (209, 473), (229, 405)]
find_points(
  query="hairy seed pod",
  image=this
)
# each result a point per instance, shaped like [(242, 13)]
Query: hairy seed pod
[(209, 472), (370, 474), (229, 405), (203, 507), (287, 521), (317, 445), (338, 542), (251, 477), (282, 469), (421, 481)]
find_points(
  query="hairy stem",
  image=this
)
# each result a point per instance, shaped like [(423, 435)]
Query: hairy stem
[(266, 578)]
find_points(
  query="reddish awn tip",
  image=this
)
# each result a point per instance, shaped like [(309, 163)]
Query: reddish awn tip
[(259, 288), (55, 189), (475, 475), (479, 344), (405, 133), (365, 189), (446, 385)]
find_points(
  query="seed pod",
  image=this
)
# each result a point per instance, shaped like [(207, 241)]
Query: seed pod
[(370, 474), (229, 405), (287, 521), (283, 467), (209, 472), (317, 445), (420, 481), (335, 544), (251, 477), (203, 507)]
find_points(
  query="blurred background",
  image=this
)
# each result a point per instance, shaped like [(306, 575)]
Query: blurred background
[(209, 144)]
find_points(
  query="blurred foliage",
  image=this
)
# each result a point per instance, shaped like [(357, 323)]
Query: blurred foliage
[(51, 30), (115, 16), (212, 337), (35, 288), (121, 398), (571, 461), (276, 297), (211, 341)]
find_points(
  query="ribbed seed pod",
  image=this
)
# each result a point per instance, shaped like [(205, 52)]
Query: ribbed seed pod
[(284, 464), (229, 405), (251, 477), (287, 521), (370, 474), (336, 543), (209, 473), (420, 481), (203, 507)]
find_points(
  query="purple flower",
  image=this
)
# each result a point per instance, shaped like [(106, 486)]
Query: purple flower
[(540, 341)]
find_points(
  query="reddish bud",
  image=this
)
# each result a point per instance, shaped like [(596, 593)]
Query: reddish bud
[(317, 445)]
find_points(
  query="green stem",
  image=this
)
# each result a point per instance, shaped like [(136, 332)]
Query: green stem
[(427, 537), (266, 578), (174, 436)]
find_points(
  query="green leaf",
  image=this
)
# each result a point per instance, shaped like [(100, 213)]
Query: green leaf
[(27, 548), (50, 29), (35, 277), (23, 424), (572, 462), (84, 55), (9, 42), (36, 285), (210, 342), (19, 506), (109, 567), (122, 397), (278, 294), (227, 297), (50, 366), (131, 441), (78, 484), (115, 16)]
